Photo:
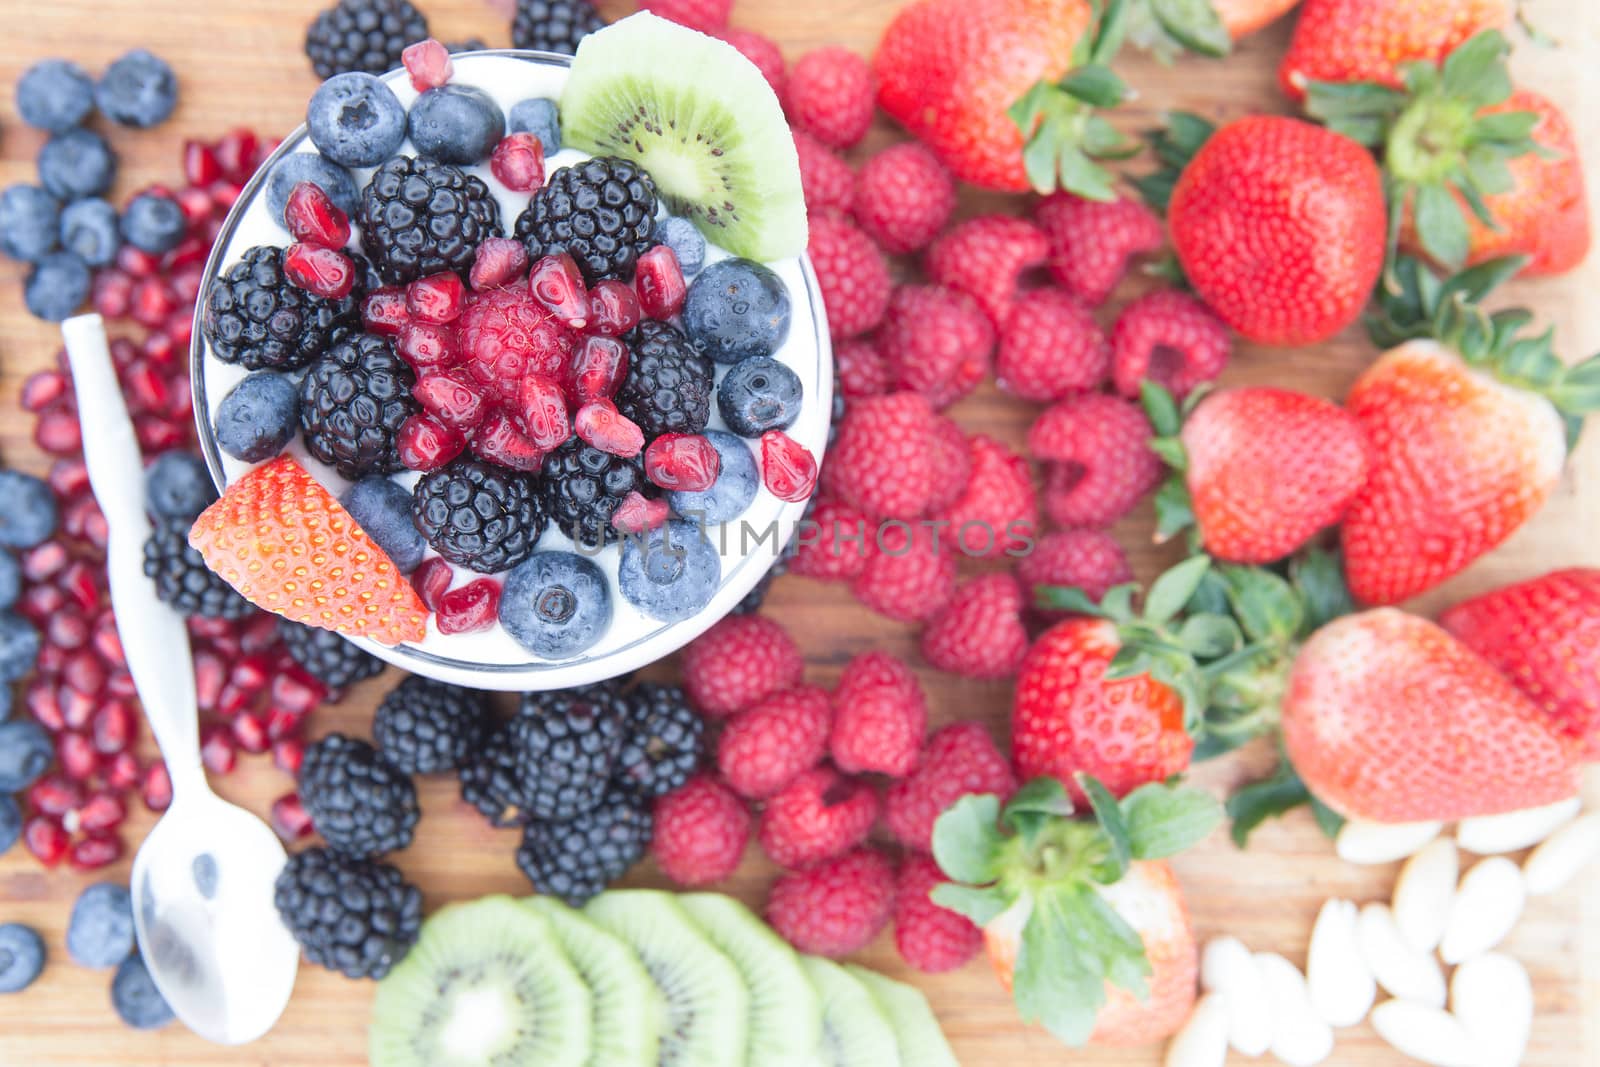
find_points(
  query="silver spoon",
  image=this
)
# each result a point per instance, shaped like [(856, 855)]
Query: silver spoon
[(203, 879)]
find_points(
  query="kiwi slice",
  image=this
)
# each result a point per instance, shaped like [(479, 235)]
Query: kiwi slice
[(708, 1006), (485, 984), (916, 1030), (704, 123), (785, 1011), (855, 1031), (628, 1010)]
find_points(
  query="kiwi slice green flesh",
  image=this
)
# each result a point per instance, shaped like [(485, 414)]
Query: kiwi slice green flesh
[(708, 1006), (916, 1029), (855, 1031), (704, 123), (785, 1011), (486, 984), (628, 1011)]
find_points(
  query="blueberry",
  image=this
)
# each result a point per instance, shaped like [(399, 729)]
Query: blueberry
[(736, 309), (30, 219), (456, 124), (25, 753), (138, 89), (135, 996), (177, 485), (57, 286), (383, 508), (556, 604), (19, 649), (685, 240), (538, 116), (10, 582), (10, 822), (671, 573), (21, 957), (153, 223), (6, 699), (733, 490), (204, 869), (55, 95), (259, 417), (76, 163), (299, 167), (356, 120), (89, 230), (759, 394), (29, 515), (100, 932)]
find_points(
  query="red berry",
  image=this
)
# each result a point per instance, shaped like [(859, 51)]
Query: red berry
[(738, 663), (832, 543), (103, 811), (94, 851), (44, 837), (428, 63), (498, 261), (471, 608), (43, 703), (282, 723), (506, 334), (217, 750), (427, 346), (1092, 241), (613, 308), (600, 424), (123, 772), (818, 816), (314, 219), (881, 461), (152, 301), (908, 574), (659, 282), (959, 759), (980, 633), (836, 907), (1089, 560), (903, 197), (250, 732), (682, 461), (931, 938), (290, 818), (707, 16), (43, 389), (297, 691), (45, 561), (200, 165), (861, 368), (287, 755), (157, 789), (996, 513), (238, 151), (851, 272), (1169, 338), (557, 284), (832, 95), (599, 364), (542, 412), (250, 674), (1051, 347), (319, 271), (879, 716), (700, 832), (935, 341), (518, 161), (209, 675), (986, 258), (1099, 461), (113, 727), (384, 312), (764, 749), (826, 180), (426, 444), (112, 294), (452, 398), (637, 513), (431, 578), (499, 441), (438, 298), (788, 469), (77, 755), (54, 794), (58, 433)]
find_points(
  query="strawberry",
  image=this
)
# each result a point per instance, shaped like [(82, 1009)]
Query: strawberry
[(1370, 40), (287, 546), (1540, 634), (1258, 471), (1389, 718), (1084, 923), (1209, 28)]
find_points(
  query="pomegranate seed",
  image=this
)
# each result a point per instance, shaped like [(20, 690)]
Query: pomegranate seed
[(77, 708), (200, 165), (682, 461), (613, 308), (283, 722), (431, 578), (224, 193), (542, 412), (186, 282), (39, 602), (471, 608), (499, 261), (44, 705), (51, 659), (601, 425), (45, 388), (112, 293), (96, 530), (209, 674), (251, 674), (238, 152), (157, 790), (81, 582), (427, 346), (209, 629), (103, 811), (123, 772), (113, 727), (159, 435), (75, 519), (295, 690), (137, 262), (499, 441), (54, 794), (58, 433), (190, 251), (67, 632), (120, 686), (290, 818), (659, 281), (787, 468), (94, 852), (637, 513), (123, 353), (426, 444), (599, 364), (228, 646), (438, 298), (384, 311), (288, 754), (518, 161), (233, 700), (217, 749), (153, 301), (159, 348), (250, 732), (196, 204), (77, 756), (452, 398), (428, 63), (259, 633), (179, 328), (319, 271), (68, 477), (43, 562), (314, 219), (557, 284), (84, 673), (45, 838)]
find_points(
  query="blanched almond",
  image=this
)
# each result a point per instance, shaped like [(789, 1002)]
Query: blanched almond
[(1489, 902), (1228, 968), (1423, 893), (1490, 835), (1424, 1033), (1564, 853), (1493, 999), (1203, 1040), (1299, 1036), (1400, 968), (1341, 984), (1377, 842)]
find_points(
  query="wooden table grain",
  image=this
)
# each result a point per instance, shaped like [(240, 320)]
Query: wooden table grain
[(239, 62)]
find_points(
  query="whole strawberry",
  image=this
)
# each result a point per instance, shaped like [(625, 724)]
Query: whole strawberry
[(1209, 28), (1369, 40)]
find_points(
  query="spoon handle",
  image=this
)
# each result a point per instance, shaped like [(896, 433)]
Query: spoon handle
[(155, 640)]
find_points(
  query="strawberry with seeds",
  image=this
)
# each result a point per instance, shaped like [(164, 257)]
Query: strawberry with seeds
[(1370, 40), (1205, 27)]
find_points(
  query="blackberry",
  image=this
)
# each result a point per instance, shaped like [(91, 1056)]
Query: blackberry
[(664, 740), (329, 658), (182, 578), (353, 401), (363, 35), (427, 727), (477, 515), (566, 744), (255, 318), (577, 859), (358, 802), (601, 211), (553, 25), (669, 385), (581, 487), (489, 781), (420, 217), (349, 915)]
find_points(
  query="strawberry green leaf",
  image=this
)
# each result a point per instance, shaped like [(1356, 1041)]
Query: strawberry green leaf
[(1505, 126), (1194, 24), (1065, 598), (1118, 602), (1172, 590), (1117, 948), (1171, 451), (1081, 175), (1109, 814), (967, 843), (978, 905), (1318, 577), (1101, 140), (1206, 636), (1227, 728), (1161, 408), (1440, 226), (1264, 603), (1328, 821), (1174, 508), (1475, 71), (1111, 28), (1174, 145), (1095, 85), (1059, 980), (1041, 796), (1255, 803), (1164, 820)]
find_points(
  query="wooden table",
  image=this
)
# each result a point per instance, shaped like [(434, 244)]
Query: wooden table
[(240, 63)]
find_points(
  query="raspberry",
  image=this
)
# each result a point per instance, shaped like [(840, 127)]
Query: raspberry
[(980, 634), (1090, 560), (861, 369), (851, 273), (838, 551), (1051, 347), (707, 16), (738, 663), (821, 814), (997, 513), (825, 178), (1170, 338), (764, 749), (907, 576), (903, 197), (763, 52), (929, 335), (952, 458), (701, 831), (881, 463), (1098, 448), (957, 760), (930, 938), (986, 258), (832, 95), (1092, 241), (835, 908), (879, 716)]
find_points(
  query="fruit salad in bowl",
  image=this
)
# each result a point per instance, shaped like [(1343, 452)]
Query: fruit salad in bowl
[(512, 371)]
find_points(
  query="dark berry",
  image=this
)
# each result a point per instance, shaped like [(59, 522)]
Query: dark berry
[(182, 578), (553, 25), (76, 163), (478, 516), (577, 859), (471, 44), (736, 309), (363, 35), (420, 216), (685, 240), (154, 223), (581, 487), (539, 116), (457, 124), (21, 957), (258, 417), (556, 604), (57, 286), (26, 752), (566, 743), (100, 931), (29, 515), (601, 212), (670, 573), (326, 175), (90, 230), (759, 394), (139, 89), (177, 485), (30, 222), (489, 780), (359, 802), (382, 507), (356, 120), (428, 727), (55, 95), (353, 401), (349, 915), (735, 488), (668, 387), (664, 741), (328, 657)]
